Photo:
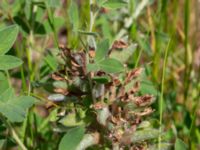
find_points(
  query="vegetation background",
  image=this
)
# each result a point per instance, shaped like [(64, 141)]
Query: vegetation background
[(164, 32)]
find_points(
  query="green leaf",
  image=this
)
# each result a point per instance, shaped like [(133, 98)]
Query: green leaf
[(3, 82), (9, 62), (111, 66), (147, 87), (51, 62), (102, 50), (74, 15), (123, 55), (105, 25), (114, 4), (163, 146), (180, 145), (8, 36), (14, 108), (60, 84), (71, 120), (145, 45), (101, 79), (92, 67), (54, 3), (6, 95), (58, 23), (145, 134), (72, 139)]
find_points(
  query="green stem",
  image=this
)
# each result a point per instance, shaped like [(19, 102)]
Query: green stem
[(52, 24), (8, 78), (186, 28), (29, 50), (92, 19), (161, 95), (92, 16), (24, 87), (138, 58), (15, 136), (194, 116)]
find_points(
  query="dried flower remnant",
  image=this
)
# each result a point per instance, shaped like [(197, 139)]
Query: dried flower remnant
[(143, 100), (119, 44), (133, 74), (119, 109), (57, 77), (92, 52)]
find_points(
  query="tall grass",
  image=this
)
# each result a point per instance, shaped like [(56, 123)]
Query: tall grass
[(162, 92)]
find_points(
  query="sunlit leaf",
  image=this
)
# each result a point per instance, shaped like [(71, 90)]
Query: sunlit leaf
[(14, 108), (111, 66), (102, 50), (9, 62), (71, 120), (92, 67), (72, 139), (147, 87), (180, 145), (8, 36)]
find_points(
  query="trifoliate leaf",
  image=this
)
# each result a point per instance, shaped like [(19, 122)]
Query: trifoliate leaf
[(14, 108)]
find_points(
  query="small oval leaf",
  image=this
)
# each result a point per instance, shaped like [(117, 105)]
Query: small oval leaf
[(9, 62), (8, 36), (111, 65), (102, 50), (72, 138), (180, 145)]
